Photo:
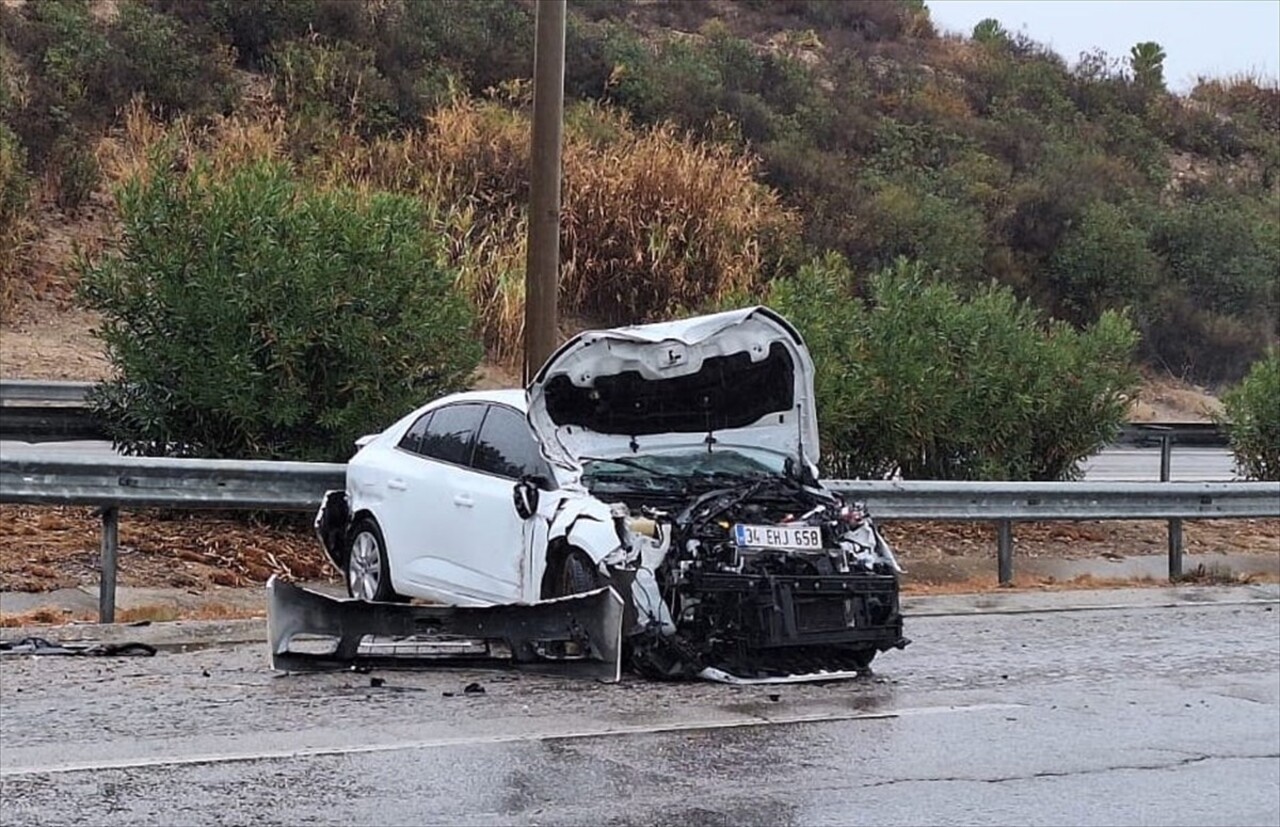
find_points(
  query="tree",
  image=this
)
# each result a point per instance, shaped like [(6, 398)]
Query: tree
[(251, 317), (1103, 261), (989, 32), (1147, 61)]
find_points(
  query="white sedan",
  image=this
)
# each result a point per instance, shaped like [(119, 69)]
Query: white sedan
[(675, 462)]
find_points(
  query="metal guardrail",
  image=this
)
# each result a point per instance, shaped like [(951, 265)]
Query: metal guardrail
[(1187, 434), (47, 411), (1005, 503), (142, 482), (42, 392), (1032, 501), (139, 482)]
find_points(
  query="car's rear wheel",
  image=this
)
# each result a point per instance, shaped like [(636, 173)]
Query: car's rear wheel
[(577, 574), (368, 573)]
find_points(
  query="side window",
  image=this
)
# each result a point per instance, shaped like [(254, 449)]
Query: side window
[(506, 446), (412, 439), (449, 434)]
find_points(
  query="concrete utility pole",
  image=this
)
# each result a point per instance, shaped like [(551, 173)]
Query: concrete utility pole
[(542, 269)]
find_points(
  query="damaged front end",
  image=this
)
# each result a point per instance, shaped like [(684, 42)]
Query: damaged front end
[(769, 580), (703, 435)]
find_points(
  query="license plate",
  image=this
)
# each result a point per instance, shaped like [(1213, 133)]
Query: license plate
[(778, 536)]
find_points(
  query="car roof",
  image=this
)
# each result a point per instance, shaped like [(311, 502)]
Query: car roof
[(513, 397)]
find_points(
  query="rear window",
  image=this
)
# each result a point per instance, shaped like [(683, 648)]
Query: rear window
[(412, 439), (449, 435)]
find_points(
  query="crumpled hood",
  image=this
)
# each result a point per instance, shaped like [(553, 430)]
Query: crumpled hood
[(744, 377)]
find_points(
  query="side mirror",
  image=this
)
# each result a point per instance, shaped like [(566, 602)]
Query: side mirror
[(525, 496)]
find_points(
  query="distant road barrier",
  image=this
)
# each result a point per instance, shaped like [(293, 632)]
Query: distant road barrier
[(114, 483), (47, 411), (1189, 434), (43, 391), (39, 410)]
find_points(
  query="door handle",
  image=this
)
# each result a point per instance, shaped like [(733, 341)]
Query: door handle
[(397, 485), (463, 500)]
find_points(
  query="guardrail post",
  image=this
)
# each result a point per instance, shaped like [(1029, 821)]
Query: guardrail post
[(1004, 550), (110, 545), (1175, 525), (1175, 550)]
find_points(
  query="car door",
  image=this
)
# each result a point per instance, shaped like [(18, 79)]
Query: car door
[(431, 517), (383, 475), (500, 548)]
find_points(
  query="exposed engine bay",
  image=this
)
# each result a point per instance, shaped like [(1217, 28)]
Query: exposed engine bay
[(764, 577)]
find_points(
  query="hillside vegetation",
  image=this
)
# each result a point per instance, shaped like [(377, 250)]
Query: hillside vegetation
[(711, 148), (859, 129)]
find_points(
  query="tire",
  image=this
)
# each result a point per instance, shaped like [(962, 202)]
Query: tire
[(368, 574), (862, 659), (576, 574)]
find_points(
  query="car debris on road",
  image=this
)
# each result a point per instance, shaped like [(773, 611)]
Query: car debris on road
[(43, 646)]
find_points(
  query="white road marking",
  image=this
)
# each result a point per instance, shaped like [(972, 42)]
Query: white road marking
[(746, 720)]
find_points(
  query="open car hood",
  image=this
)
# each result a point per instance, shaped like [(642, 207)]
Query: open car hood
[(744, 378)]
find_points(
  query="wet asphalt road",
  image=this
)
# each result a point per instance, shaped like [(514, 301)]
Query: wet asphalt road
[(1133, 716), (1112, 464), (1185, 465)]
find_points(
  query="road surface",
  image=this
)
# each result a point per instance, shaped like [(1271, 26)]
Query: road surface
[(1186, 464), (1138, 715)]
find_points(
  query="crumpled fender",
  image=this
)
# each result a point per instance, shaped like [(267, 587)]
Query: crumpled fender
[(590, 525), (586, 524)]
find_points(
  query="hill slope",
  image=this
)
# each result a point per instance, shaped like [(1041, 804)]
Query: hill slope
[(989, 158)]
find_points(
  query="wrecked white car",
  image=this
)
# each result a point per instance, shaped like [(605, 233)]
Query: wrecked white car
[(674, 462)]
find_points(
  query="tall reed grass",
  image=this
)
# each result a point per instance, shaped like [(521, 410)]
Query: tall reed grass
[(652, 221)]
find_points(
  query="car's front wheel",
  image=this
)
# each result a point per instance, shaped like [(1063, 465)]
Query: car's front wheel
[(577, 574), (368, 572)]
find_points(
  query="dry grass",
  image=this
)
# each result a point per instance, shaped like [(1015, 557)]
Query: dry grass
[(15, 241), (652, 221), (58, 547), (1244, 91), (16, 227), (142, 142), (158, 613)]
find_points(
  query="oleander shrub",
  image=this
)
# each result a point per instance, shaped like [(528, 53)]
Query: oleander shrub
[(1251, 415), (247, 315), (919, 381)]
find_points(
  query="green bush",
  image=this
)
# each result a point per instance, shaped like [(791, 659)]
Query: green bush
[(15, 191), (919, 381), (79, 70), (1252, 419), (1224, 249), (15, 184), (333, 81), (1102, 262), (77, 173), (252, 318)]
